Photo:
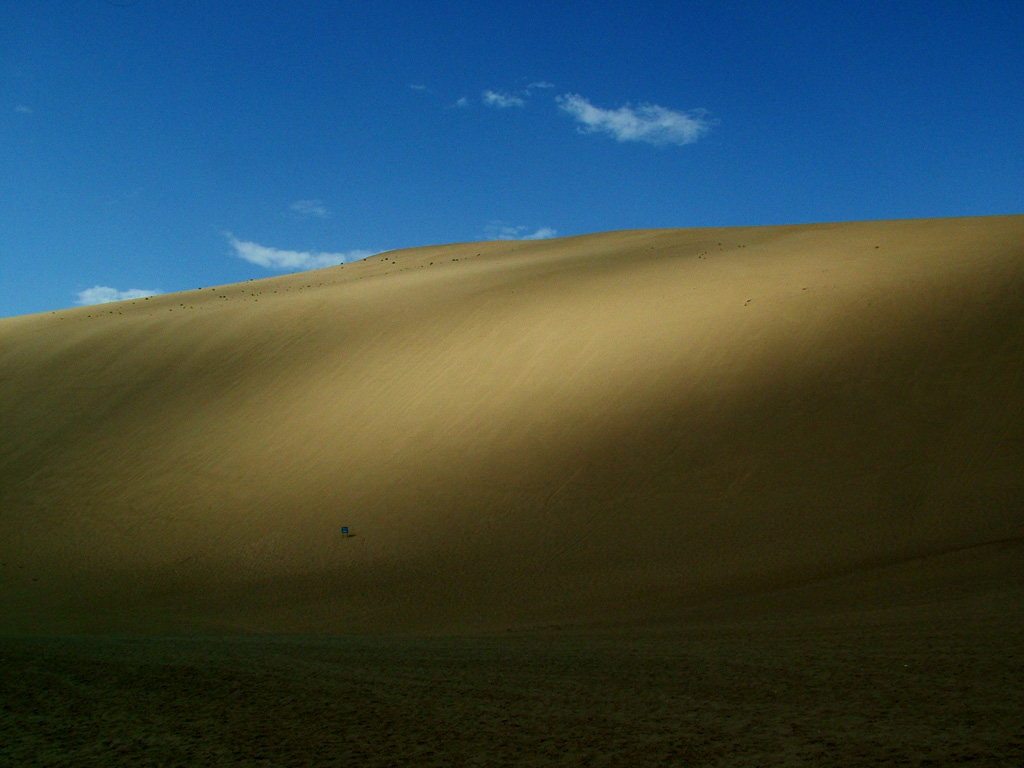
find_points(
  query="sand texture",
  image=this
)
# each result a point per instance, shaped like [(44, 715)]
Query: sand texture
[(616, 438), (905, 689), (616, 427)]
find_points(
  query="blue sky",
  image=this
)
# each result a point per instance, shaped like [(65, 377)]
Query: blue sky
[(164, 145)]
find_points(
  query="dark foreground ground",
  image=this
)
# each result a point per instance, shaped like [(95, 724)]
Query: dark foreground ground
[(927, 686)]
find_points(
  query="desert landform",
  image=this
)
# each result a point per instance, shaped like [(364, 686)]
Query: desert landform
[(730, 496)]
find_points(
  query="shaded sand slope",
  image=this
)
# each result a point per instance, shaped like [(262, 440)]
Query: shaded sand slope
[(623, 427)]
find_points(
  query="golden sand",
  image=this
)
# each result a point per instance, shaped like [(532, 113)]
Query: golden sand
[(634, 428), (745, 496)]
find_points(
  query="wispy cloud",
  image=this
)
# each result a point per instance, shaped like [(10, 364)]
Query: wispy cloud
[(502, 100), (498, 230), (418, 87), (275, 258), (102, 294), (540, 84), (312, 209), (23, 109), (541, 234), (648, 123)]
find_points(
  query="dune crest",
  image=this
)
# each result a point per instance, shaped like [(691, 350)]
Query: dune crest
[(623, 427)]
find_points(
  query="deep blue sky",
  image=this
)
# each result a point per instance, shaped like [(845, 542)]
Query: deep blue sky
[(173, 144)]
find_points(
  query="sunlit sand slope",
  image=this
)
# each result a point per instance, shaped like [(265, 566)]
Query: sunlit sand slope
[(624, 427)]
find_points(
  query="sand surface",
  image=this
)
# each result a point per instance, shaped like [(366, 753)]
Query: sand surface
[(608, 436), (878, 689)]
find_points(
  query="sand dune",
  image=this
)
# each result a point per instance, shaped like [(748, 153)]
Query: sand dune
[(631, 427)]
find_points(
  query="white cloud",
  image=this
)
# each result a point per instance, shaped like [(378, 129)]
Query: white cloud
[(23, 109), (502, 100), (461, 103), (275, 258), (647, 123), (313, 209), (102, 294), (540, 84), (542, 234), (499, 231), (418, 87)]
